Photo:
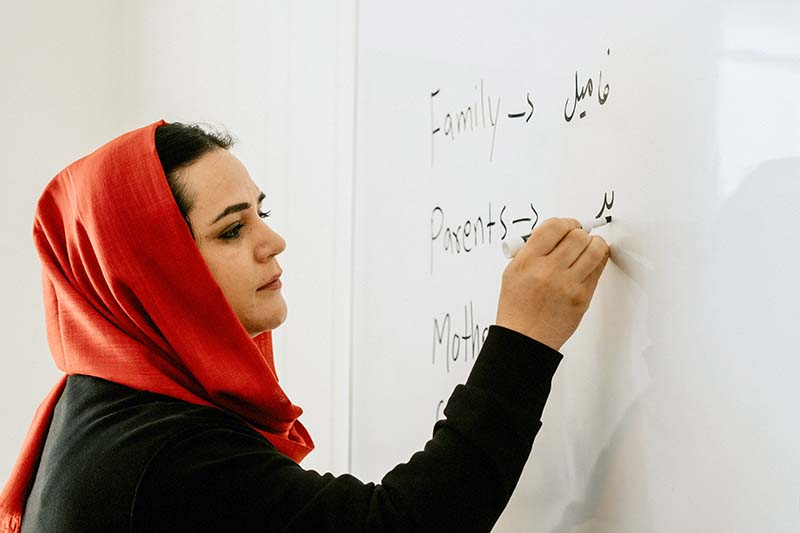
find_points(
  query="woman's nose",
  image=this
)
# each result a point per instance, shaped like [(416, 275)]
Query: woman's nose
[(270, 244)]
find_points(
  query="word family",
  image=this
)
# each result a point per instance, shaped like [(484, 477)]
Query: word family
[(474, 117), (455, 116), (584, 91)]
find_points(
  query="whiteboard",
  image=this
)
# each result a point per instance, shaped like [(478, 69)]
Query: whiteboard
[(676, 405)]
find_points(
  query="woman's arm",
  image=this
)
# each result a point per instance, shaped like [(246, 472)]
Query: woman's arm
[(232, 479)]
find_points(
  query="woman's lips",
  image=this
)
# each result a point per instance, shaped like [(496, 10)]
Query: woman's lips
[(273, 285)]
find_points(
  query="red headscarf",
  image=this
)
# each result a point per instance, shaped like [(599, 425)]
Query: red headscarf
[(128, 298)]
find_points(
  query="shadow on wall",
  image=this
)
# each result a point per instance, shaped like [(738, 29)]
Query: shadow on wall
[(740, 440)]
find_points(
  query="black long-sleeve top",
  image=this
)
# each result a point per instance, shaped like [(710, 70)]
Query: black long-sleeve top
[(117, 459)]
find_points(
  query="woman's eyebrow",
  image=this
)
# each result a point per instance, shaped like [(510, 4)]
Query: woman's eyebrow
[(235, 208)]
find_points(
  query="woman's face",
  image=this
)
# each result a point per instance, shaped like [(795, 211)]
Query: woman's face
[(238, 247)]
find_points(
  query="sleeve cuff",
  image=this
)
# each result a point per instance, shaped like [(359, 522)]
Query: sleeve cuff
[(515, 367)]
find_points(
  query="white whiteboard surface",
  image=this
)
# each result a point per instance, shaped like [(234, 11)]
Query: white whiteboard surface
[(676, 406)]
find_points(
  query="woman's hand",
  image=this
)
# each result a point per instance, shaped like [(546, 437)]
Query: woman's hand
[(548, 285)]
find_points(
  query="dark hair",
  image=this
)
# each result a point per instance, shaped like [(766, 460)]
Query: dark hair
[(178, 146)]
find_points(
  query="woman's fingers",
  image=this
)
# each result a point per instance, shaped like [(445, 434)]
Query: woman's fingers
[(547, 236), (592, 260), (571, 247), (548, 287)]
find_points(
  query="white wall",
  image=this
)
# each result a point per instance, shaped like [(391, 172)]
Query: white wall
[(59, 99), (82, 73)]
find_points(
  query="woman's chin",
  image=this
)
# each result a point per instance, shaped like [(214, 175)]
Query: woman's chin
[(275, 319)]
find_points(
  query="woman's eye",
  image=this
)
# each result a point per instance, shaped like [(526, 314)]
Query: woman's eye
[(232, 233)]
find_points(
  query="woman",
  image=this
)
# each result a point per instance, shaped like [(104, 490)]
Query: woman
[(161, 286)]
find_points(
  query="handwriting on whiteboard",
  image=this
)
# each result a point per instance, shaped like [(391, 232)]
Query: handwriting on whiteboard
[(472, 118), (449, 238), (583, 92), (465, 236), (450, 347), (607, 204), (481, 115)]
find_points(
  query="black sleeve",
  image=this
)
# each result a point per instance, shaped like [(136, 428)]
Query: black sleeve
[(229, 479)]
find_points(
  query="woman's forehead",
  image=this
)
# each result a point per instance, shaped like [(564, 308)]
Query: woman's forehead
[(219, 178)]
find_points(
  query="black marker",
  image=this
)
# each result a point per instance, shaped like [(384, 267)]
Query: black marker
[(510, 249)]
